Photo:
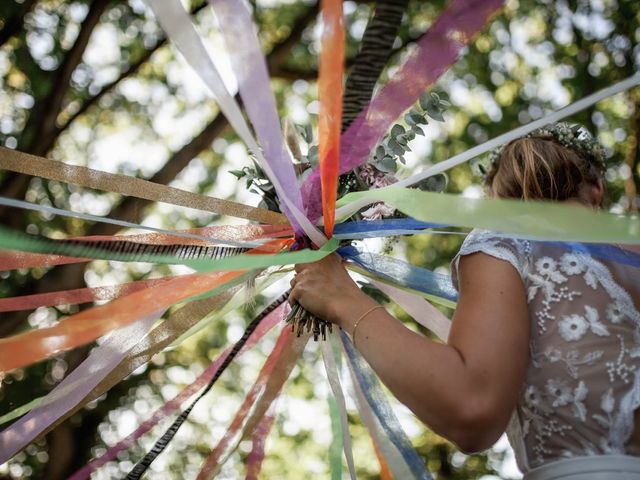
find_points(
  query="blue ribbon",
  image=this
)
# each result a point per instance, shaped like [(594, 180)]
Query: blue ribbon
[(381, 228), (377, 400), (402, 273)]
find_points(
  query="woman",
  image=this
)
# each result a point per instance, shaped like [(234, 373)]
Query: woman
[(544, 343)]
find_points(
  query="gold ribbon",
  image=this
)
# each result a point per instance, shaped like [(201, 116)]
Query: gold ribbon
[(27, 164)]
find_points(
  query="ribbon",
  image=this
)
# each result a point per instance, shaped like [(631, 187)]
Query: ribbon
[(403, 273), (417, 307), (250, 68), (258, 439), (537, 220), (266, 388), (142, 466), (172, 405), (74, 387), (76, 296), (239, 299), (253, 234), (95, 218), (335, 448), (377, 400), (437, 50), (176, 22), (330, 119), (158, 339), (34, 345), (339, 404), (27, 164), (257, 258), (519, 132), (388, 455), (360, 229)]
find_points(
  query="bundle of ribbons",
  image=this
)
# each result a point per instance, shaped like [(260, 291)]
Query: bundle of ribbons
[(135, 323)]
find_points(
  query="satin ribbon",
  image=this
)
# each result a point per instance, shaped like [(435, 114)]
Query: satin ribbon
[(519, 132), (74, 387), (436, 51), (336, 445), (257, 258), (419, 309), (330, 118), (171, 406), (359, 229), (250, 68), (263, 281), (376, 399), (9, 202), (266, 388), (27, 164), (253, 234), (258, 440), (76, 296), (81, 328), (340, 405), (159, 338), (176, 22), (403, 273), (533, 219), (388, 455)]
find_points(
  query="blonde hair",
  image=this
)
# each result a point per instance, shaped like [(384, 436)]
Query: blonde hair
[(539, 168)]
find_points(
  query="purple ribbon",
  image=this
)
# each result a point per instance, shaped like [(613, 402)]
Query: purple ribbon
[(437, 50), (250, 68), (102, 360)]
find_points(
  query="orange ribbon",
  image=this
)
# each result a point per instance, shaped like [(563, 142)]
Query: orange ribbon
[(79, 329), (330, 119)]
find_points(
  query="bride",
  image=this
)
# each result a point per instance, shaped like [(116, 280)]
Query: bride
[(545, 339)]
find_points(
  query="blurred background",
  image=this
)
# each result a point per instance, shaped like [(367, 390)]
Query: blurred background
[(94, 83)]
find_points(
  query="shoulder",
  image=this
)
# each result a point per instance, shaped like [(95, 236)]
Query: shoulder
[(512, 250)]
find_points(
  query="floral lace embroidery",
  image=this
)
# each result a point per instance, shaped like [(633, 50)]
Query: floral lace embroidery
[(583, 356)]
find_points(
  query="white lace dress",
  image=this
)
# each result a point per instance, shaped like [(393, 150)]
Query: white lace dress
[(583, 378)]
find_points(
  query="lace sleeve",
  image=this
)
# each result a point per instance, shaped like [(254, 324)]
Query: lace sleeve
[(499, 246)]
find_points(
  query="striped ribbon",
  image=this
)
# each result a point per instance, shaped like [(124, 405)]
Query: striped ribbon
[(142, 466)]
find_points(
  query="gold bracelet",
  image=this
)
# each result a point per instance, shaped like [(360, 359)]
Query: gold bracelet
[(355, 325)]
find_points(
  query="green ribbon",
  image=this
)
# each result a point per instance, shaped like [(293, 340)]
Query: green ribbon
[(21, 410), (531, 219), (335, 448), (14, 240)]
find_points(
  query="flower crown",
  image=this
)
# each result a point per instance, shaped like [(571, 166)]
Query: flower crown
[(574, 137)]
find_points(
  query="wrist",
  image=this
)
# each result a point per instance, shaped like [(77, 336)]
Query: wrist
[(350, 308)]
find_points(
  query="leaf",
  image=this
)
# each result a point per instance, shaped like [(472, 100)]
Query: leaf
[(380, 152), (397, 130), (434, 112), (607, 402), (402, 160), (395, 147), (418, 130), (603, 421), (387, 164), (409, 120), (425, 101), (237, 173), (596, 325), (418, 118)]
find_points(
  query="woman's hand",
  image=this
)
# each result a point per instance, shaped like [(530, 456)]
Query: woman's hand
[(325, 289)]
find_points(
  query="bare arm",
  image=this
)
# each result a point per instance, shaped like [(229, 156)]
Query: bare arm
[(464, 390)]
